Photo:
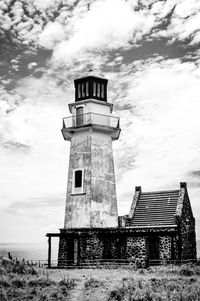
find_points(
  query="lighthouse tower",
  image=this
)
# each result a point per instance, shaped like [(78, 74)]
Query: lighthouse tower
[(91, 193)]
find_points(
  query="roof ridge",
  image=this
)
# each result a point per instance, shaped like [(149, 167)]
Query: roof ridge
[(161, 191)]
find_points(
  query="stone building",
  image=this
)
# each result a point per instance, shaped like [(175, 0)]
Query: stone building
[(160, 224)]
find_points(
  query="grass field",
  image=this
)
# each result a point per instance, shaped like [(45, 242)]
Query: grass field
[(21, 282)]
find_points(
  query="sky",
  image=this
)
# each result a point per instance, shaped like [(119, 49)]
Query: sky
[(150, 53)]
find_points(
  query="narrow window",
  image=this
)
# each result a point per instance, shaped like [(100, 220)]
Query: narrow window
[(78, 178)]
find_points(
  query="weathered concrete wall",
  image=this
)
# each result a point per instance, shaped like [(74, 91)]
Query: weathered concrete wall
[(93, 106), (77, 210), (103, 191), (97, 205)]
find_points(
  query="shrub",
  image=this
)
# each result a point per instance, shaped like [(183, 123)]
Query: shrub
[(92, 283), (4, 282), (3, 295), (17, 282), (68, 283), (9, 266), (117, 294), (187, 270), (41, 282), (2, 270), (31, 271)]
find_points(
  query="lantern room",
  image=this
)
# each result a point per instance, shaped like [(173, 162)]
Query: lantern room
[(91, 87)]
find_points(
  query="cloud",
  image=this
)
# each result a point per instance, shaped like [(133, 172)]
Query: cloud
[(184, 21), (46, 4), (52, 34), (32, 65), (16, 146), (115, 22), (162, 134), (34, 205), (24, 110), (196, 173), (78, 27), (156, 98)]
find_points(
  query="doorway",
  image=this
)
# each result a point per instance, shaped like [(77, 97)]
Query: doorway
[(107, 248), (153, 247), (73, 251)]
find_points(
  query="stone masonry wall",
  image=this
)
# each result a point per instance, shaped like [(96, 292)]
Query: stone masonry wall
[(136, 250), (91, 248), (97, 245), (165, 247), (187, 231), (62, 251)]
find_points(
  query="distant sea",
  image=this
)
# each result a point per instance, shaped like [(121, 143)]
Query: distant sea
[(30, 251)]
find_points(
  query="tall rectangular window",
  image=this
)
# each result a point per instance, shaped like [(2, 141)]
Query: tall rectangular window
[(77, 185), (78, 178)]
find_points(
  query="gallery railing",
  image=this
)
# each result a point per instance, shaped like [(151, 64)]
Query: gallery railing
[(90, 119)]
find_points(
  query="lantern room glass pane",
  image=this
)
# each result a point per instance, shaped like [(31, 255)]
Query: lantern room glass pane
[(87, 89), (102, 90), (83, 90), (98, 89), (79, 90), (94, 89)]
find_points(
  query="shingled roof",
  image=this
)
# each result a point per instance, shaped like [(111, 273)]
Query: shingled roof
[(154, 208)]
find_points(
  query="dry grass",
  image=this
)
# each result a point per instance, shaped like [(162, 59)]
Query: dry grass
[(22, 282)]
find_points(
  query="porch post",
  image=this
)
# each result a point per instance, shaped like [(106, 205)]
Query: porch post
[(49, 251)]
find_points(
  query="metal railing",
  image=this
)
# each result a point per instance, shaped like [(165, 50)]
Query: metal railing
[(103, 263), (91, 119), (116, 263)]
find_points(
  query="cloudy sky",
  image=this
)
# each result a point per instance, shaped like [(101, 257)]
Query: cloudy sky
[(150, 53)]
